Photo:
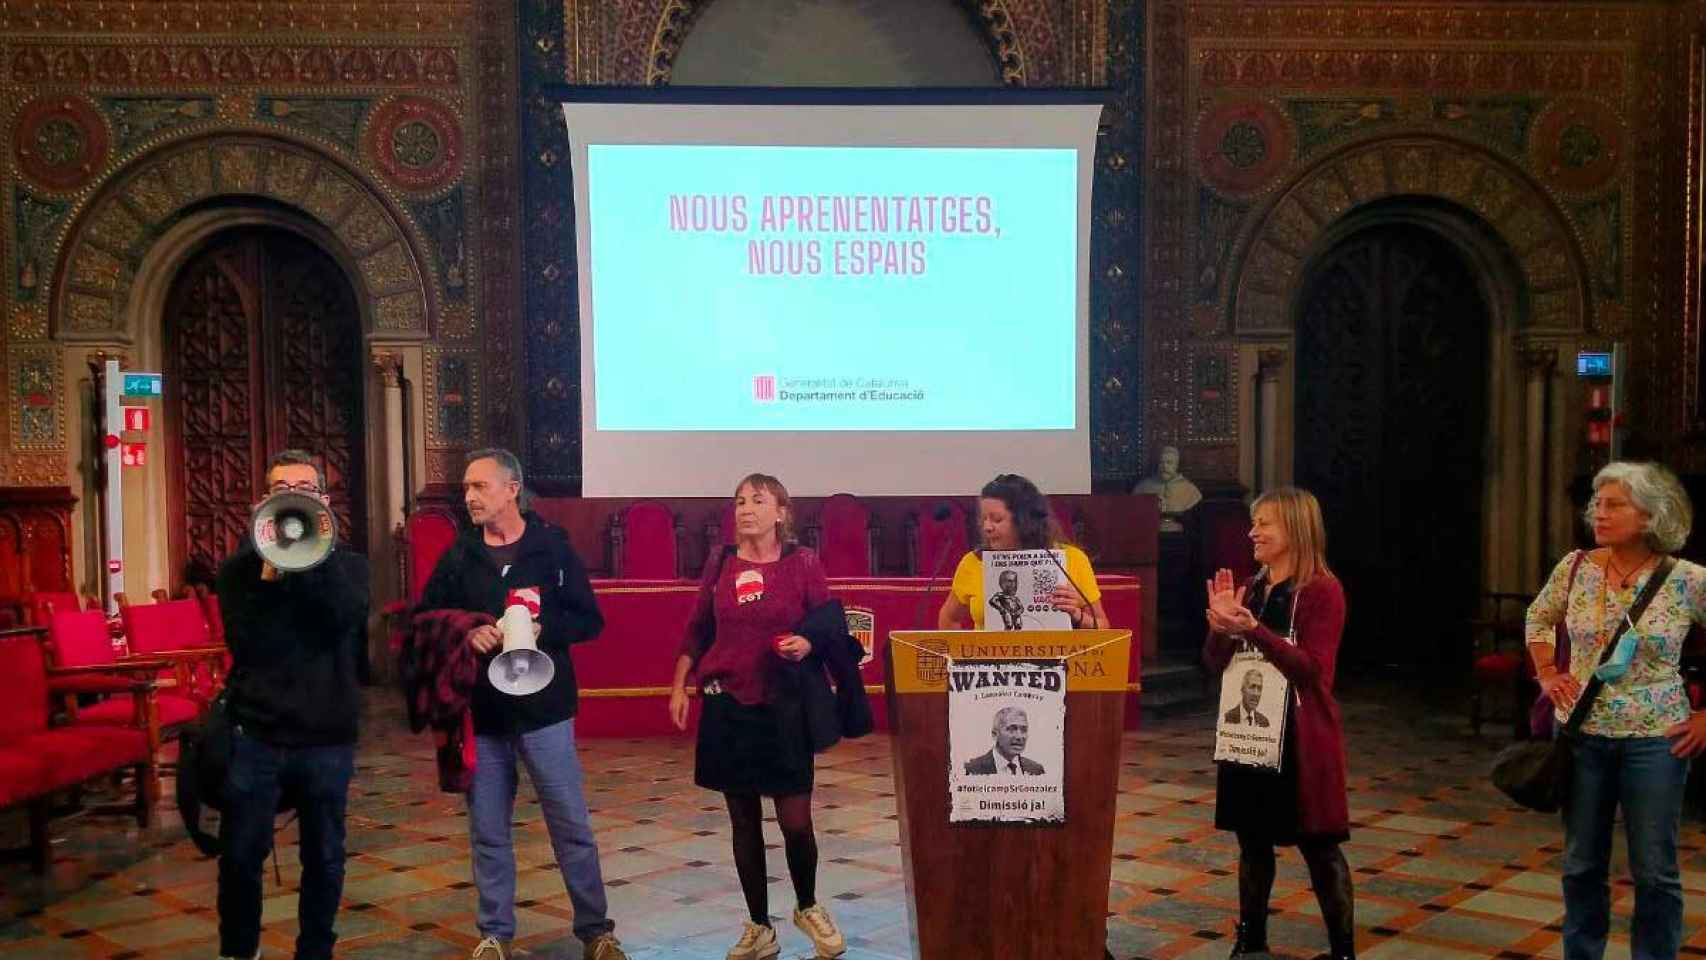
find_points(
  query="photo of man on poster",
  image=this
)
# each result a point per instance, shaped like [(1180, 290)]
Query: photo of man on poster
[(1010, 730), (1246, 711)]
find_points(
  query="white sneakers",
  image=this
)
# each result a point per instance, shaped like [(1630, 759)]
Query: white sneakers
[(757, 942), (815, 922), (490, 948)]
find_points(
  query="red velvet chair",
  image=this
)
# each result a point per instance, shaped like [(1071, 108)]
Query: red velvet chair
[(421, 540), (37, 761), (932, 542), (1500, 661), (176, 631), (645, 543), (78, 645), (843, 537), (41, 605)]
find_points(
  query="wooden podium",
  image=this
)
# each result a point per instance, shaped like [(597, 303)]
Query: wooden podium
[(1009, 891)]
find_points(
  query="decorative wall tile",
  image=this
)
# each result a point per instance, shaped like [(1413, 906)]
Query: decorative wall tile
[(444, 221), (37, 221), (36, 398), (137, 119), (337, 119)]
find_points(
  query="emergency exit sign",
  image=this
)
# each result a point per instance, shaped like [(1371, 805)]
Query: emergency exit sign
[(142, 385)]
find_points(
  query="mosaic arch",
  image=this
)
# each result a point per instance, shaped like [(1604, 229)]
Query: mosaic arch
[(1276, 250), (1039, 43), (1012, 27), (99, 256)]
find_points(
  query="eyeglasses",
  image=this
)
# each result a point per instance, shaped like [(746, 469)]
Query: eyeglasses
[(285, 486)]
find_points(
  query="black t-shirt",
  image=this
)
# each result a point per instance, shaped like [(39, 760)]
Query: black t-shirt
[(504, 557)]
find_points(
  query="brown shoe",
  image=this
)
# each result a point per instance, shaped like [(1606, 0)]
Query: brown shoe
[(605, 946), (815, 922)]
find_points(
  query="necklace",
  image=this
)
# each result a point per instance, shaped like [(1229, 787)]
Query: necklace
[(1625, 576), (1616, 580)]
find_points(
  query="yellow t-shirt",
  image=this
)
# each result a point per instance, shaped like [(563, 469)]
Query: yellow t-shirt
[(968, 580)]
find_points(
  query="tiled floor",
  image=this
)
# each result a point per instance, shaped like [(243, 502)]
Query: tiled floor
[(1445, 869)]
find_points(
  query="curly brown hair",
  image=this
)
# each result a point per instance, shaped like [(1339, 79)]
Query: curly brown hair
[(1032, 518)]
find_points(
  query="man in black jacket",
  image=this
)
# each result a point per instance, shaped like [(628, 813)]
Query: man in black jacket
[(298, 643), (510, 556)]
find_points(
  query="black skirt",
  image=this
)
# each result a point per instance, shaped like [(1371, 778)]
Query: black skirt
[(1260, 803), (740, 750)]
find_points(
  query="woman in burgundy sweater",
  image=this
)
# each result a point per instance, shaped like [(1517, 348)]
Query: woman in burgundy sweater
[(751, 598), (1293, 612)]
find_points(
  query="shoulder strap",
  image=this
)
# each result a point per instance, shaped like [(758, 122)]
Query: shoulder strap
[(1561, 630), (1579, 715)]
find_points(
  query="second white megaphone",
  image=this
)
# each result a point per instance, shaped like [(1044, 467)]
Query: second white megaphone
[(521, 669)]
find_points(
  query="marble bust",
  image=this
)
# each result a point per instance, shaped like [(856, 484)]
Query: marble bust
[(1173, 489)]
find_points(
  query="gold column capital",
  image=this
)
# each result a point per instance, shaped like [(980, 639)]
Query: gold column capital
[(1269, 360), (389, 364)]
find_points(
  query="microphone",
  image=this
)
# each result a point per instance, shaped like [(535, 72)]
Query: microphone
[(940, 514)]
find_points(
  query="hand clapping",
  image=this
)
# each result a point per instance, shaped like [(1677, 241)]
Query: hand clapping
[(1226, 612)]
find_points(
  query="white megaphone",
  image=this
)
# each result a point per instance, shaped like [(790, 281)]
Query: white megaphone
[(293, 531), (521, 669)]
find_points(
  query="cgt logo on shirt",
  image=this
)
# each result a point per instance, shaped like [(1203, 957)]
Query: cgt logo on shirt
[(749, 586), (525, 596)]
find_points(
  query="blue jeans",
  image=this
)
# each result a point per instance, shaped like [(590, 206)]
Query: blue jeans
[(1640, 775), (555, 770), (318, 779)]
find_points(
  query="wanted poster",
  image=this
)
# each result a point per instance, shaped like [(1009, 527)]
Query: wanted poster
[(1016, 589), (1007, 741), (1250, 724)]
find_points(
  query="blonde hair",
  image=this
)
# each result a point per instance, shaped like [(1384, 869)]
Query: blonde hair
[(1299, 513), (778, 493)]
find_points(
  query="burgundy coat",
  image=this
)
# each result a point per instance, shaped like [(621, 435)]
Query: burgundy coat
[(1319, 622), (440, 671)]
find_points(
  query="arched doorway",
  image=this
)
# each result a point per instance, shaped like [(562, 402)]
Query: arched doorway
[(263, 351), (1392, 421)]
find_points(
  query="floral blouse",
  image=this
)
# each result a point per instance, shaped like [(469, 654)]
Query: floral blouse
[(1650, 696)]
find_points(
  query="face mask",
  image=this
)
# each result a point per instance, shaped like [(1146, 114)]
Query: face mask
[(1618, 665)]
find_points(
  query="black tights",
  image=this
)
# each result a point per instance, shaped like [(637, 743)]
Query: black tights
[(1328, 873), (794, 815)]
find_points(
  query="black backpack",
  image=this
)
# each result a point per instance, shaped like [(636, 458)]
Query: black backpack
[(204, 763)]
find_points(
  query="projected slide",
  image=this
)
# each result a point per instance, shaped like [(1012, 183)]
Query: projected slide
[(763, 288)]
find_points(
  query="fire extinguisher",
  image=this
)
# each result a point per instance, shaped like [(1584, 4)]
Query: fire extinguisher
[(1599, 416)]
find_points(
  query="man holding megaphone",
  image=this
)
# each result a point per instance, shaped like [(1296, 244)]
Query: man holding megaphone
[(516, 568), (295, 613)]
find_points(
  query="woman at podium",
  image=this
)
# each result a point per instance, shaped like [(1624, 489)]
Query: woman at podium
[(1293, 612), (1012, 514), (753, 599)]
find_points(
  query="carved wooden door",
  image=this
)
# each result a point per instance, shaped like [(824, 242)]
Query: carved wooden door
[(1391, 425), (263, 352)]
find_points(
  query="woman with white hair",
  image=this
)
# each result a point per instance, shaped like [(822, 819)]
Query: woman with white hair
[(1635, 745)]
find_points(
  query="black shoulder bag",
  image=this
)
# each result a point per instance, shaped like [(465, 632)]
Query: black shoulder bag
[(1536, 774), (204, 760)]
